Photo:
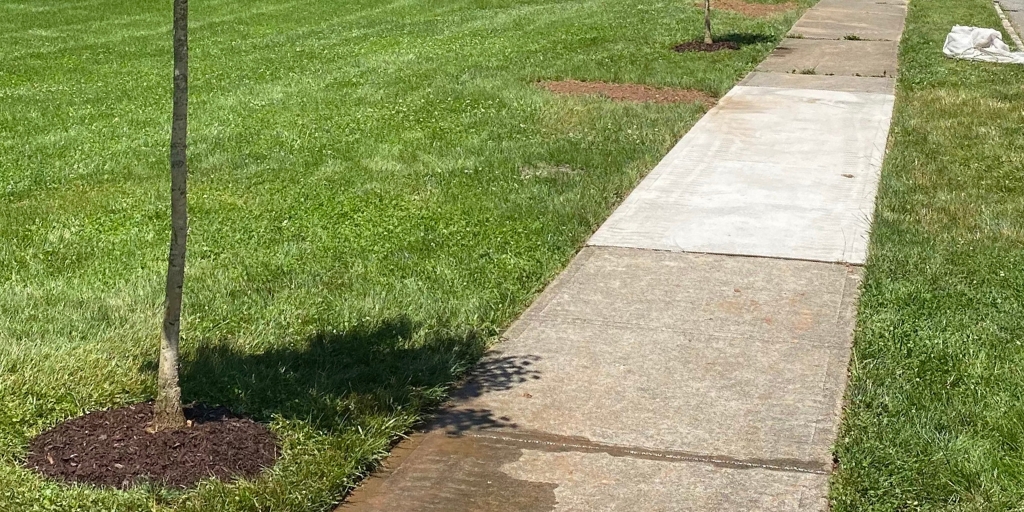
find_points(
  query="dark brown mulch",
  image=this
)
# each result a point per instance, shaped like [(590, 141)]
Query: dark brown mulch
[(629, 92), (112, 448), (701, 46)]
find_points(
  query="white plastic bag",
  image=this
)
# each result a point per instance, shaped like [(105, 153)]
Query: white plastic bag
[(982, 44)]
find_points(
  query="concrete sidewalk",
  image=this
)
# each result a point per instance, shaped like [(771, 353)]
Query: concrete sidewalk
[(1014, 12), (694, 355)]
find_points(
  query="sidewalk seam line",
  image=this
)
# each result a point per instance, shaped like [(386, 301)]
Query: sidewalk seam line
[(644, 453), (736, 255)]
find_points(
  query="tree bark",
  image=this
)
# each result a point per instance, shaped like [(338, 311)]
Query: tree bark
[(168, 412), (707, 22)]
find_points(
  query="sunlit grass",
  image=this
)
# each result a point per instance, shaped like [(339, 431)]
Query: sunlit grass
[(935, 419)]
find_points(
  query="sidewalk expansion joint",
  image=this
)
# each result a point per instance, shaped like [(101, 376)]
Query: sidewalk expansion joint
[(557, 443), (741, 255), (858, 39)]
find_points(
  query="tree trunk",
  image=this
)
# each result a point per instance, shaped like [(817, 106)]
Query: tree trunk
[(167, 409), (707, 22)]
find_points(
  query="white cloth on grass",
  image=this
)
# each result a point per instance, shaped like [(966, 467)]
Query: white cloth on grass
[(983, 44)]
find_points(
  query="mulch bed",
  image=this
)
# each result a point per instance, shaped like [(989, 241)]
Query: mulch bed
[(112, 448), (701, 46), (629, 92), (750, 8)]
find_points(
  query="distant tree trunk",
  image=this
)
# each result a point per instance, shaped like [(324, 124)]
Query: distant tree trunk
[(707, 22), (167, 409)]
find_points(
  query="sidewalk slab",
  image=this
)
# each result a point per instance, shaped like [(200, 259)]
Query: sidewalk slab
[(741, 357), (699, 394), (1014, 11), (878, 85), (487, 474), (1012, 5), (1017, 21), (824, 57), (842, 23), (755, 298), (785, 173)]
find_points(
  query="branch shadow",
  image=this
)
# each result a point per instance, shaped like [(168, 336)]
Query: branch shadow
[(356, 378), (495, 373)]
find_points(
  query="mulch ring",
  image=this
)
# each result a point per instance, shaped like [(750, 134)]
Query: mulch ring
[(629, 92), (701, 46), (112, 448), (749, 8)]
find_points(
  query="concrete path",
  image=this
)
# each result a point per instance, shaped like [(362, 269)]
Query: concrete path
[(772, 171), (1014, 12), (694, 355)]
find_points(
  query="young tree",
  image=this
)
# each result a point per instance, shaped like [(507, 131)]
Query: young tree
[(168, 412), (707, 22)]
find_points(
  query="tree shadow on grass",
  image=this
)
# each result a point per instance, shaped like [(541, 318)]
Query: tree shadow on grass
[(353, 378), (745, 39)]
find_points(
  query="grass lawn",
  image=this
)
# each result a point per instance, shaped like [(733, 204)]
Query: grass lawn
[(377, 189), (935, 419)]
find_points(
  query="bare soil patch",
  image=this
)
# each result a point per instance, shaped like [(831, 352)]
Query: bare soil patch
[(749, 8), (629, 92), (112, 448)]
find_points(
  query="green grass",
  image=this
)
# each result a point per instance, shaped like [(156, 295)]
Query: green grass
[(377, 189), (935, 419)]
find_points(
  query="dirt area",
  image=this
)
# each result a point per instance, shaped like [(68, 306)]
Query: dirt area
[(629, 92), (749, 8), (112, 448)]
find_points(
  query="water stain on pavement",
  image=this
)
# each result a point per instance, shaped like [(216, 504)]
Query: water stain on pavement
[(437, 472)]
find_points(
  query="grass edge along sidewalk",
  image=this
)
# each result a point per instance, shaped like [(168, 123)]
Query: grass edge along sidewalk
[(934, 417)]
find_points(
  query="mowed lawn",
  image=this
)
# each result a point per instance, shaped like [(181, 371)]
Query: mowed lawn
[(377, 189), (935, 419)]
